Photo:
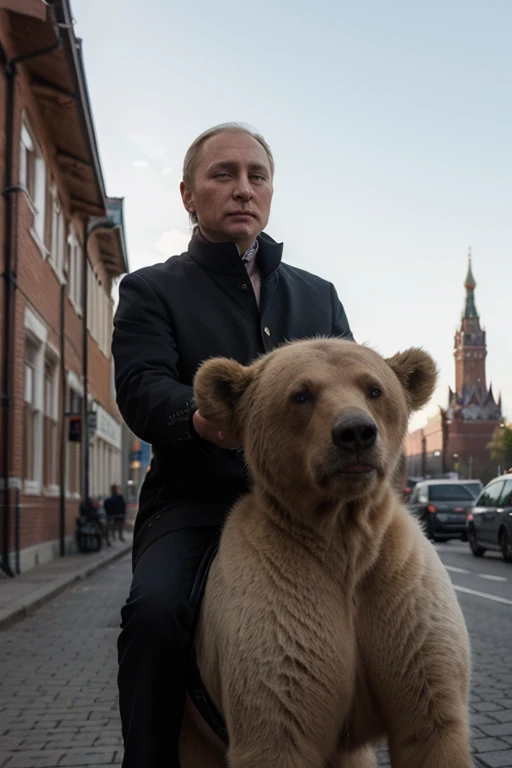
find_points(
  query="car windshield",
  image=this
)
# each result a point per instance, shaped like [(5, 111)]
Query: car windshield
[(474, 488), (450, 493)]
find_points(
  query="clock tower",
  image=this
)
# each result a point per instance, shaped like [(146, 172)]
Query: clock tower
[(470, 344)]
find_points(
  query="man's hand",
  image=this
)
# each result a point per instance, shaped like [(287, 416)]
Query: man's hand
[(208, 431)]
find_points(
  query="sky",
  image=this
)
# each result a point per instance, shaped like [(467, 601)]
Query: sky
[(391, 128)]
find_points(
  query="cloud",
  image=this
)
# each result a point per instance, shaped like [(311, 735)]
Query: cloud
[(145, 143), (173, 242), (141, 163), (150, 147)]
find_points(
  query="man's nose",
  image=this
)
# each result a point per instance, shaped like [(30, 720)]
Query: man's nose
[(354, 431), (243, 189)]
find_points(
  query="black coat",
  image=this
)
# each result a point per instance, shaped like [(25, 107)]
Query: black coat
[(115, 506), (173, 316)]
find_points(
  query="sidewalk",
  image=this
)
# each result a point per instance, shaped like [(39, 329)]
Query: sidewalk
[(23, 594)]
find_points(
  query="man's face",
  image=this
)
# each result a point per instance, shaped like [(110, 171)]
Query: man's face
[(231, 190)]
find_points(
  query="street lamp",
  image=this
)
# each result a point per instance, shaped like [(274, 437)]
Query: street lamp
[(93, 225)]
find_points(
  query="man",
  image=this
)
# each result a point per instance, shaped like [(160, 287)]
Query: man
[(228, 295), (115, 509)]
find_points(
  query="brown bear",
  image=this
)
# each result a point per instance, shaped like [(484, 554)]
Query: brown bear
[(328, 622)]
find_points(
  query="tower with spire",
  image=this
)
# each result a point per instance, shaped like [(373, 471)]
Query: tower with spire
[(456, 440), (471, 400)]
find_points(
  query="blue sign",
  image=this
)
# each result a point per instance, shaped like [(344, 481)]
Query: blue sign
[(145, 452)]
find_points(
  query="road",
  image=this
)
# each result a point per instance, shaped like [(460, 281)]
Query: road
[(58, 697), (484, 590)]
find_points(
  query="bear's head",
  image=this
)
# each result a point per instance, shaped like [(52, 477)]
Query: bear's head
[(319, 419)]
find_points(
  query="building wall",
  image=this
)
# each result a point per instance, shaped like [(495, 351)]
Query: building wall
[(42, 285), (421, 448), (3, 89), (469, 442), (467, 450)]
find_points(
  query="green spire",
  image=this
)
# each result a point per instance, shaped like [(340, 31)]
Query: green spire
[(470, 285)]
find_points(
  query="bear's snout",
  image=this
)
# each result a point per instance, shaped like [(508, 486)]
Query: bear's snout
[(354, 431)]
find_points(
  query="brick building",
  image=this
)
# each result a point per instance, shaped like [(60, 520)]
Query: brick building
[(61, 247), (457, 438)]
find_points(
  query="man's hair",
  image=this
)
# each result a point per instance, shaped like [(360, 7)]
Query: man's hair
[(193, 152)]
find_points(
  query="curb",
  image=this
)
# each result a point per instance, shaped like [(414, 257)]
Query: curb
[(47, 592)]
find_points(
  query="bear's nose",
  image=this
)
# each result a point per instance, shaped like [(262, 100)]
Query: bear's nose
[(354, 431)]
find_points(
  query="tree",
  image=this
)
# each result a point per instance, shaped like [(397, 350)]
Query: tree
[(501, 446)]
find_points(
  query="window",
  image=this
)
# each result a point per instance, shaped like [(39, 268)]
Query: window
[(99, 312), (33, 416), (91, 301), (506, 498), (51, 408), (423, 494), (33, 178), (491, 495), (28, 158), (33, 407), (30, 414), (474, 487), (101, 316), (449, 492), (58, 239), (75, 271)]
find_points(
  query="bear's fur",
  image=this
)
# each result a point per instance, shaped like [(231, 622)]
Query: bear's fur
[(328, 622)]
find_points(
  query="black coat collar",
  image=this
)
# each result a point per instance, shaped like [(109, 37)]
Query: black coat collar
[(224, 258)]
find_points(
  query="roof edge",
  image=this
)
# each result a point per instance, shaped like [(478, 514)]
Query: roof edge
[(66, 22)]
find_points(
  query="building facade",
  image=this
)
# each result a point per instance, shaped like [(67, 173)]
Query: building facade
[(457, 438), (61, 247)]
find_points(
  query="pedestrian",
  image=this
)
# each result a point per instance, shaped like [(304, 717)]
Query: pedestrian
[(229, 294), (115, 509)]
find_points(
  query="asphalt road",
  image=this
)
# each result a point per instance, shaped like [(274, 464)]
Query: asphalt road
[(489, 575), (484, 589), (58, 696)]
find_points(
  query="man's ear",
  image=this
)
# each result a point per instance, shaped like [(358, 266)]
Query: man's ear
[(218, 386), (187, 197), (417, 373)]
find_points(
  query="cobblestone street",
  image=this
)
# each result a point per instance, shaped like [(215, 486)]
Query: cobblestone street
[(490, 628), (58, 702), (58, 695)]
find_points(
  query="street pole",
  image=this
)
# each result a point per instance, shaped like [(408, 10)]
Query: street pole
[(105, 224), (423, 455)]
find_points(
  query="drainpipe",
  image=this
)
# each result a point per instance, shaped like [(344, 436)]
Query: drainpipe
[(63, 425), (10, 284)]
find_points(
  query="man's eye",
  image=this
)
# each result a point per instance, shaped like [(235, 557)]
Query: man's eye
[(222, 175), (256, 177), (301, 397), (374, 393)]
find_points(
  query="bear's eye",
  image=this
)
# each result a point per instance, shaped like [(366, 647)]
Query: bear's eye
[(301, 397), (374, 393)]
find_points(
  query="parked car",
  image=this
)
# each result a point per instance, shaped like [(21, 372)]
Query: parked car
[(490, 520), (442, 506), (475, 486)]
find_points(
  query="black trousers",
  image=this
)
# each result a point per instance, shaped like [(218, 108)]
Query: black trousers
[(157, 632)]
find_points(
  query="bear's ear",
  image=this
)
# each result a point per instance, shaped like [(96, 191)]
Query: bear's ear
[(218, 385), (417, 373)]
